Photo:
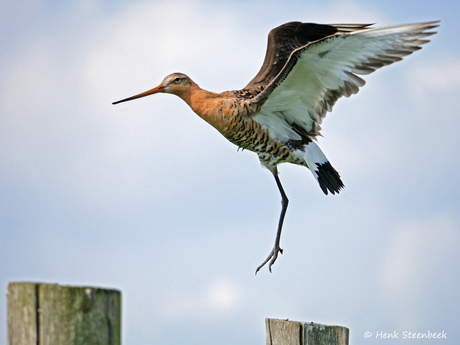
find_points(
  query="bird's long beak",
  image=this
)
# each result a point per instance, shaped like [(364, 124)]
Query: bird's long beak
[(159, 88)]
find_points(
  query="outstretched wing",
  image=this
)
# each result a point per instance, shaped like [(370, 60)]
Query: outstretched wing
[(315, 75), (283, 40)]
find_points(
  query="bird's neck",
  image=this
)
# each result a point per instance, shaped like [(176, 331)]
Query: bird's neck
[(210, 106)]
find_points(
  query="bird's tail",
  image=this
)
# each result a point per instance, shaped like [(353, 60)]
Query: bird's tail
[(327, 177)]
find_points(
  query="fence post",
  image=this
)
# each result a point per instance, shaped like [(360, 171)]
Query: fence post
[(285, 332), (46, 314)]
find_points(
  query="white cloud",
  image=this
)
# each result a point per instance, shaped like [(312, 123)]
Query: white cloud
[(414, 253), (414, 261), (218, 296), (427, 80), (223, 295)]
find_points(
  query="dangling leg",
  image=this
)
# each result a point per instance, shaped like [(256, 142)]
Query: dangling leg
[(276, 249)]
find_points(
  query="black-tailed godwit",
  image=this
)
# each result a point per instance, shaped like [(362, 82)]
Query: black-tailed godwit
[(307, 68)]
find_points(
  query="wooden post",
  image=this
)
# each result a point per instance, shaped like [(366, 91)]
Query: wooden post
[(46, 314), (285, 332)]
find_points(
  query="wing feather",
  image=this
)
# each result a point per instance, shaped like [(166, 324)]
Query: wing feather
[(283, 40), (318, 73)]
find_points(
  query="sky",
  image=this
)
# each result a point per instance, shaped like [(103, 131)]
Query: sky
[(147, 198)]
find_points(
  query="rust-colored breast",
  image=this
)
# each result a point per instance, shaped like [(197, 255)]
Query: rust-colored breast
[(232, 116)]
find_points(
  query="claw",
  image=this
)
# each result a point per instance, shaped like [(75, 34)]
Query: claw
[(272, 258)]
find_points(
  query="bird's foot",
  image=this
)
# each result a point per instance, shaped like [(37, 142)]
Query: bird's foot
[(271, 257)]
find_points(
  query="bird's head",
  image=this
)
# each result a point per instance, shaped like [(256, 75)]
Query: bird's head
[(176, 83)]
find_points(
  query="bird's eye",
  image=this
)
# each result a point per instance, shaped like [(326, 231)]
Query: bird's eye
[(177, 79)]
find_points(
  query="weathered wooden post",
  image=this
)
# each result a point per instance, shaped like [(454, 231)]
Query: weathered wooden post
[(47, 314), (285, 332)]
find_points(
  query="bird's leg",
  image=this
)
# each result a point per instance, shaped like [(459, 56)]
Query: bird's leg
[(276, 249)]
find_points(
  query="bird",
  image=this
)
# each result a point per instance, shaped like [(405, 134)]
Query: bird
[(278, 114)]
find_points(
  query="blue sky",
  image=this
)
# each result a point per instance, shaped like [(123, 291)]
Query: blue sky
[(147, 198)]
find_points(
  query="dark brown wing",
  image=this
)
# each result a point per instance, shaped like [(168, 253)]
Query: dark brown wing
[(283, 40)]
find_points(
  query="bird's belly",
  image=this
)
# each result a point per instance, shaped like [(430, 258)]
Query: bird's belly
[(250, 135)]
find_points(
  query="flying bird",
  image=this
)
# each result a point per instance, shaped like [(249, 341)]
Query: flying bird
[(307, 68)]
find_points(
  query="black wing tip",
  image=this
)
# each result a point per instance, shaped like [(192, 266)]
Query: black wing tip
[(329, 179)]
